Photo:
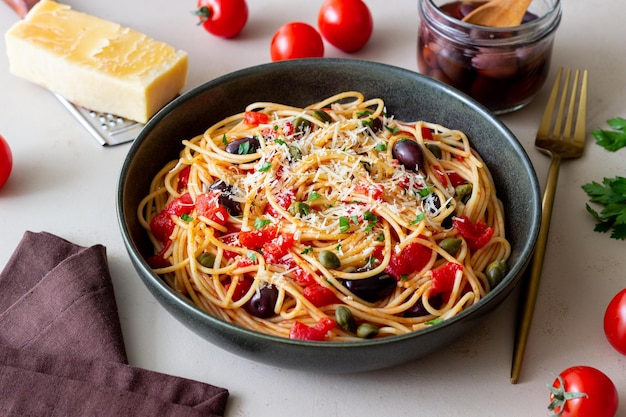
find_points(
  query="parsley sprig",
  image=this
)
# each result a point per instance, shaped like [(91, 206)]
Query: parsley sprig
[(614, 139), (611, 194)]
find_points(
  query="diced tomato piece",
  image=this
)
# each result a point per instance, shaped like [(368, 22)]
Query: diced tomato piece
[(456, 179), (301, 276), (317, 332), (443, 277), (288, 128), (181, 205), (441, 175), (162, 226), (476, 234), (412, 258), (208, 205), (158, 260), (255, 118), (427, 133), (373, 190), (284, 200), (278, 247), (255, 239), (183, 178), (244, 262), (319, 295), (242, 287)]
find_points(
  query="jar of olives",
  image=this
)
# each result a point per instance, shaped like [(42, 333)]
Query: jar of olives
[(502, 68)]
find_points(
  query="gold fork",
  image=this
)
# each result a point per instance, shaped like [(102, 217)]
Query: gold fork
[(556, 141)]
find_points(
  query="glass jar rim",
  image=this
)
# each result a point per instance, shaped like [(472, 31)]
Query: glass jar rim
[(458, 31)]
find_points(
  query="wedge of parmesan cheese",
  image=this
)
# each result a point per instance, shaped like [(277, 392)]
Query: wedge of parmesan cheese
[(95, 63)]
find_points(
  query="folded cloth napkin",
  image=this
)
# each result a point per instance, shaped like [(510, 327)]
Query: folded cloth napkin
[(61, 346)]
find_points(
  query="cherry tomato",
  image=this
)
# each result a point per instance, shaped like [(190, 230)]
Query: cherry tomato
[(583, 391), (6, 161), (296, 40), (223, 18), (615, 322), (346, 24)]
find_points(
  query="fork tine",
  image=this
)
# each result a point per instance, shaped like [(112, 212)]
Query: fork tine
[(567, 131), (556, 133), (580, 131), (546, 119)]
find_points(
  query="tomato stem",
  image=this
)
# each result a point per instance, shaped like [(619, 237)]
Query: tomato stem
[(560, 397), (204, 13)]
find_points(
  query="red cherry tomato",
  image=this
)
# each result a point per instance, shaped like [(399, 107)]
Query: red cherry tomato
[(583, 391), (346, 24), (224, 18), (615, 322), (6, 161), (296, 40)]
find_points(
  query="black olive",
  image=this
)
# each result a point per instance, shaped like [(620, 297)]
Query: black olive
[(243, 146), (263, 302), (418, 309), (225, 198), (409, 153), (372, 289)]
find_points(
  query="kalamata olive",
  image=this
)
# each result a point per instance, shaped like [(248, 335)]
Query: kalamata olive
[(329, 259), (409, 153), (263, 302), (367, 330), (243, 146), (418, 309), (499, 64), (373, 288), (225, 198), (345, 319), (495, 272), (376, 124), (456, 64)]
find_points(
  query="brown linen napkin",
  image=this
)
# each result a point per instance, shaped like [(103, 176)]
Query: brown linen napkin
[(61, 346)]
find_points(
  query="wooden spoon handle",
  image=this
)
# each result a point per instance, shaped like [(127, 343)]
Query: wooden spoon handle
[(499, 13)]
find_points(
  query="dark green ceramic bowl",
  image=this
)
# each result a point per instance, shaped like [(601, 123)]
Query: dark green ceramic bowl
[(409, 96)]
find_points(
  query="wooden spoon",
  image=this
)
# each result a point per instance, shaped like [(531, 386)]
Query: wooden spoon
[(498, 13)]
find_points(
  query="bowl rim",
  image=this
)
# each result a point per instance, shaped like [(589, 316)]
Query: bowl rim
[(167, 294)]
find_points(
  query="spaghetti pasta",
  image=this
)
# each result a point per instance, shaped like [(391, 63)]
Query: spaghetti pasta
[(329, 222)]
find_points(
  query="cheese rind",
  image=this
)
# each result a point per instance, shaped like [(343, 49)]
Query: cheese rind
[(95, 63)]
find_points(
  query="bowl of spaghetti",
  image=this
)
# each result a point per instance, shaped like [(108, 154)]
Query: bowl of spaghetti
[(328, 214)]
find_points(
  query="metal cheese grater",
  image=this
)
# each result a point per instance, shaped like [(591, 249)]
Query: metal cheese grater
[(108, 129)]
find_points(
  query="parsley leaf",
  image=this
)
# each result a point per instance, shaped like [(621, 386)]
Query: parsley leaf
[(259, 223), (612, 140), (611, 194), (344, 224), (266, 166), (314, 195)]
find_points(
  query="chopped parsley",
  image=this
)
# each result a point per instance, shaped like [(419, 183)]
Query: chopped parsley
[(186, 218), (314, 195), (259, 223), (418, 218), (266, 166), (344, 224), (307, 250), (371, 220), (251, 255), (381, 147)]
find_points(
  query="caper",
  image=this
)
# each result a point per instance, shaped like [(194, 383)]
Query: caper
[(206, 259), (451, 245), (366, 330), (345, 319), (495, 272), (434, 149), (329, 259), (295, 153), (298, 207), (322, 116), (300, 124), (463, 192)]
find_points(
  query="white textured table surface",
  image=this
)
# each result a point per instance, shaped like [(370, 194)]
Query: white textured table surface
[(63, 182)]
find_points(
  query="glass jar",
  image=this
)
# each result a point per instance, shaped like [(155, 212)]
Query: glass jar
[(502, 68)]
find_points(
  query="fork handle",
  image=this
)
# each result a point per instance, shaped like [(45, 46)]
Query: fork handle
[(536, 266)]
